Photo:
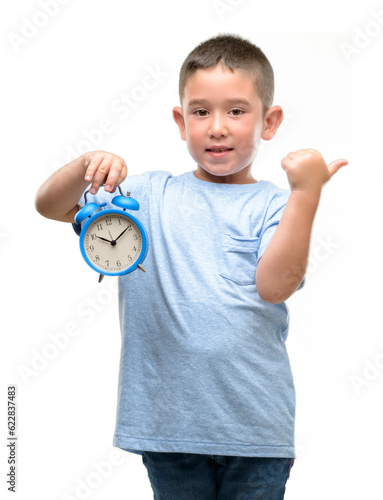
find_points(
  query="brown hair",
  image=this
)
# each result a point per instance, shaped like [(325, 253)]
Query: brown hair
[(234, 52)]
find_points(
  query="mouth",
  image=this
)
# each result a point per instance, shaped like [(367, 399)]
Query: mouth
[(218, 149)]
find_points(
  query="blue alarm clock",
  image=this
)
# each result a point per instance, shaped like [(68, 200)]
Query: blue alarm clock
[(112, 242)]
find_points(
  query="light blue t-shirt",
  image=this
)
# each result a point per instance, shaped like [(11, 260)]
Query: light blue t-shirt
[(204, 367)]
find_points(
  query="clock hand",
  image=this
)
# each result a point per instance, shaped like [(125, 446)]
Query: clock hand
[(113, 242), (103, 239), (119, 236)]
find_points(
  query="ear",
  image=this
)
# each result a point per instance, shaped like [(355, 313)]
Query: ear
[(178, 117), (271, 122)]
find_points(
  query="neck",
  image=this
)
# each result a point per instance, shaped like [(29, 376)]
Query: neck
[(241, 177)]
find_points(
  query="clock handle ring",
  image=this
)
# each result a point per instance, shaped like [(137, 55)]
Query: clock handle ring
[(127, 195), (85, 212)]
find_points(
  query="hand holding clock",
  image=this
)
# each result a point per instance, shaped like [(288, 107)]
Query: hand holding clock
[(102, 167)]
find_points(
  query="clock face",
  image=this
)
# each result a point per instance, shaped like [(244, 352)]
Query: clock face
[(112, 243)]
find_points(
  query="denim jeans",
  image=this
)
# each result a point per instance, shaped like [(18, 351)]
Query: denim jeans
[(188, 476)]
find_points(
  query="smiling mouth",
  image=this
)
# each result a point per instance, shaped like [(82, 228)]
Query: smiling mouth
[(218, 150)]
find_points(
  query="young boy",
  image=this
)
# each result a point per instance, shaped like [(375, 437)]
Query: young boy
[(206, 393)]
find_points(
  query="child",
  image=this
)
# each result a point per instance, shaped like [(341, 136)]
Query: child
[(206, 393)]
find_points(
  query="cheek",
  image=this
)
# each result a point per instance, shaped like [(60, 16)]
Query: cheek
[(248, 142), (192, 144), (193, 135), (246, 145)]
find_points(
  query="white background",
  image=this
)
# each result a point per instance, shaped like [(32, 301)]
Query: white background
[(57, 85)]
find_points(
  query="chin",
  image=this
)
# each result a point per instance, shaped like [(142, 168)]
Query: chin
[(221, 172), (217, 173)]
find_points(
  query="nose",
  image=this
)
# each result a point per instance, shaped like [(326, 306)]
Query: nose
[(217, 126)]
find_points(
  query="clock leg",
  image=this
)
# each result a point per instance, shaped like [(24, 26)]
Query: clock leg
[(141, 268), (101, 277)]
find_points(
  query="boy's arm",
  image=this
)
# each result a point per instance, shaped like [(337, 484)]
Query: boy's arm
[(283, 264), (57, 198)]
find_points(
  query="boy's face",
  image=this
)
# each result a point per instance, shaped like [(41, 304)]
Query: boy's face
[(222, 121)]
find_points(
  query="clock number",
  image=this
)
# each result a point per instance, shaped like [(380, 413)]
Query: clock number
[(107, 262), (118, 263), (93, 236), (108, 222), (135, 237), (99, 227), (91, 248), (97, 258)]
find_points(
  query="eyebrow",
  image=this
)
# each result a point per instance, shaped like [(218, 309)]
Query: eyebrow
[(232, 101)]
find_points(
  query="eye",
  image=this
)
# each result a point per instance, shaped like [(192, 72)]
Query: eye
[(200, 112), (236, 112)]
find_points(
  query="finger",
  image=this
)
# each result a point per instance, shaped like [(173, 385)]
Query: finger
[(289, 157), (92, 167), (113, 177), (334, 166), (121, 178), (100, 175), (299, 152), (286, 162), (123, 175)]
